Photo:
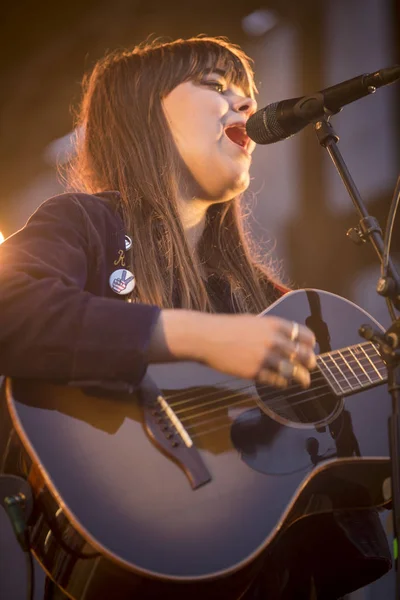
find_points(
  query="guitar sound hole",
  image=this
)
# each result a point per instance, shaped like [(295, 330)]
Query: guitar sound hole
[(296, 407)]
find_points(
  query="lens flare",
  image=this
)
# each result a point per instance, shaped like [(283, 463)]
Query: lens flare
[(1, 238)]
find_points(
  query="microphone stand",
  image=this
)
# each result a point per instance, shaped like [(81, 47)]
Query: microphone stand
[(389, 342)]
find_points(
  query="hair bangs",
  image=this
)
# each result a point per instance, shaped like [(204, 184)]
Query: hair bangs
[(191, 59), (212, 56)]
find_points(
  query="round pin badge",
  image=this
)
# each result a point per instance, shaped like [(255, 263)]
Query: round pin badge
[(128, 242), (122, 281)]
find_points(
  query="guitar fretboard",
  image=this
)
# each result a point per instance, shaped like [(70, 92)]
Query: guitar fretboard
[(352, 369)]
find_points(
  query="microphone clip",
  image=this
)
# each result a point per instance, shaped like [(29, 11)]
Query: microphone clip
[(311, 109)]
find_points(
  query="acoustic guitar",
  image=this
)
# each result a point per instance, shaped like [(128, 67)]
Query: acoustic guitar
[(181, 489)]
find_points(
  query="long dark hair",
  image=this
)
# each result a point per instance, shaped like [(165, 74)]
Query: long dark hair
[(126, 145)]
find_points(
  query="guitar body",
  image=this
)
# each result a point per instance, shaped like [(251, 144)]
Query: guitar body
[(181, 490)]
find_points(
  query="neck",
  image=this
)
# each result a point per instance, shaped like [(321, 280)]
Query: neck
[(193, 217)]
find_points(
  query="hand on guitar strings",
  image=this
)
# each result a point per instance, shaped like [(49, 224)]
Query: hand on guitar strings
[(268, 349)]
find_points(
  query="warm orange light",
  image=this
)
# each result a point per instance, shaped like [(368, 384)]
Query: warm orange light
[(1, 237)]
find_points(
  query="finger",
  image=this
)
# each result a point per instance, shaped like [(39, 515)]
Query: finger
[(272, 378), (303, 334), (289, 370), (302, 353), (294, 351), (293, 371)]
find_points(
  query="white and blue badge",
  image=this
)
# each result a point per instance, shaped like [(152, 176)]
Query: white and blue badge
[(122, 281), (128, 242)]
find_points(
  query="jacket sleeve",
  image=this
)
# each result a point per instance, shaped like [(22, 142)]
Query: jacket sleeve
[(51, 326)]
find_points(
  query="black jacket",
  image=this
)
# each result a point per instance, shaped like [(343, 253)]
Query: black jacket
[(60, 318)]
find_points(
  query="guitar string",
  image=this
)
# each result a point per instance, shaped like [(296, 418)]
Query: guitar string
[(269, 405), (279, 402), (210, 400), (368, 345), (352, 362), (273, 393), (264, 399), (199, 432), (319, 376), (259, 387), (225, 415), (236, 391)]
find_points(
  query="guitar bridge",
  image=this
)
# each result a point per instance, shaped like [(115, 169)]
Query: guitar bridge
[(166, 430)]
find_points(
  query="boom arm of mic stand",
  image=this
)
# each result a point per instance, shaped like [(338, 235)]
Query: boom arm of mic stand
[(370, 230)]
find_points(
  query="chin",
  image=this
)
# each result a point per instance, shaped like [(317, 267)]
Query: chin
[(227, 185), (239, 184), (234, 181), (228, 192)]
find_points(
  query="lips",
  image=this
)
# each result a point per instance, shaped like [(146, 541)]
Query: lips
[(237, 134)]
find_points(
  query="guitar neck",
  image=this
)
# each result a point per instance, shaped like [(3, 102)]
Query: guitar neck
[(352, 369)]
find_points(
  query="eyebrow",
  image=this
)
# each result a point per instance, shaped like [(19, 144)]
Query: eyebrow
[(221, 72)]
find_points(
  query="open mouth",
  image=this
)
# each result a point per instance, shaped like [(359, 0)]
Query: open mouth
[(237, 134)]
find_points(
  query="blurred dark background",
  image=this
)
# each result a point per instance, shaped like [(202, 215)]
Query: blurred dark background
[(300, 210)]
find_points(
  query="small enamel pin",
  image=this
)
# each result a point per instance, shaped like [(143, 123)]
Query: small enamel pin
[(122, 281), (128, 242), (121, 259)]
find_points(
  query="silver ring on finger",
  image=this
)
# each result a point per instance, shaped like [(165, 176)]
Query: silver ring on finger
[(294, 334), (286, 368)]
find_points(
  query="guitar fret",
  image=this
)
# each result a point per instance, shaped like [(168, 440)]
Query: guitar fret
[(360, 358), (361, 366), (348, 365), (343, 375), (375, 357), (362, 348), (334, 382), (371, 369), (353, 368), (366, 372)]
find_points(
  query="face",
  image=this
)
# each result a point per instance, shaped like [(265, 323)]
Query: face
[(207, 120)]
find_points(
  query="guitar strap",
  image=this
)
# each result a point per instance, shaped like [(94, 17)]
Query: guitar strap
[(316, 323)]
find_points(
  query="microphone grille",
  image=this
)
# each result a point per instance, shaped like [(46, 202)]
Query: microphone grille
[(263, 126)]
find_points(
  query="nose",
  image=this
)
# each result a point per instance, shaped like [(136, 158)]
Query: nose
[(247, 105)]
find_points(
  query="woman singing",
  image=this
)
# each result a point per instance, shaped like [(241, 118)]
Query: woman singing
[(147, 262)]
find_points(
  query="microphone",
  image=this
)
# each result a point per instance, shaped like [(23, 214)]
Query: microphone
[(283, 119)]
